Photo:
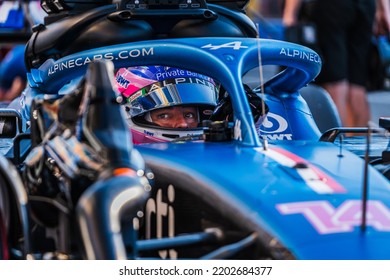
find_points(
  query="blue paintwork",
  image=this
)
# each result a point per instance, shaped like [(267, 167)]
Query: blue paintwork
[(238, 169), (256, 182)]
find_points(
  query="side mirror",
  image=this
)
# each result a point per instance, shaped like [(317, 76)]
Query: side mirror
[(384, 122)]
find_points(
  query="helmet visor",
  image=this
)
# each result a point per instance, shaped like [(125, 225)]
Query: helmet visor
[(172, 92)]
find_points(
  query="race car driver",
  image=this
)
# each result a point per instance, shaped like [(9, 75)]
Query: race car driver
[(166, 103)]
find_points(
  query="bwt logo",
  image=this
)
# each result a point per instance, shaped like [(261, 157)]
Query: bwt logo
[(273, 125)]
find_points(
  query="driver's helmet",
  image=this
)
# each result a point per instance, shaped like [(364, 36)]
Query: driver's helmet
[(148, 88)]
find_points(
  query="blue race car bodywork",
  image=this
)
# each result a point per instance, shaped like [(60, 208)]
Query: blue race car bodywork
[(314, 210), (304, 193)]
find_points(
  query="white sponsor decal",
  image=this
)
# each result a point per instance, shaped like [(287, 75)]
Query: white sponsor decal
[(232, 45), (287, 136), (300, 54), (237, 134), (77, 62), (162, 211)]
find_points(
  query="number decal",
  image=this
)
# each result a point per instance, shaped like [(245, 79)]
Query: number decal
[(327, 219)]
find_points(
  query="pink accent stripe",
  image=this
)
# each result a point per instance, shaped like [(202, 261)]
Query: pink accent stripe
[(135, 82), (141, 138), (329, 181)]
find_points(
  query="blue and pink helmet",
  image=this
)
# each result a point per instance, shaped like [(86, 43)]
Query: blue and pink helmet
[(147, 88)]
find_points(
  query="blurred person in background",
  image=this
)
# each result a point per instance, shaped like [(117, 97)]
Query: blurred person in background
[(344, 29), (13, 17), (382, 18), (12, 74)]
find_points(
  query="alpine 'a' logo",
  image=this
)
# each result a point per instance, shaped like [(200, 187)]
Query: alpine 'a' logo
[(232, 45)]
